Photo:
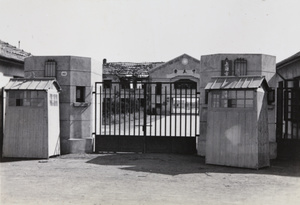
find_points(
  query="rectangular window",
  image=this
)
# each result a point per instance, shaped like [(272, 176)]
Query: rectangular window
[(107, 84), (125, 84), (158, 88), (233, 99), (26, 98), (53, 100), (139, 85), (240, 67), (50, 68), (80, 94)]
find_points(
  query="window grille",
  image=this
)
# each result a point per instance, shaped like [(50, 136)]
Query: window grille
[(26, 98), (233, 99), (240, 67), (50, 68)]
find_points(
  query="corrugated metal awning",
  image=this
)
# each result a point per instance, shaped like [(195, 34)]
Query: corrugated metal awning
[(235, 82), (32, 84)]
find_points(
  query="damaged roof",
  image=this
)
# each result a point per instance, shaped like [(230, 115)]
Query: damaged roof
[(128, 68), (11, 52)]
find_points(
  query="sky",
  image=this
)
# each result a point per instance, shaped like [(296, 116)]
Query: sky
[(151, 30)]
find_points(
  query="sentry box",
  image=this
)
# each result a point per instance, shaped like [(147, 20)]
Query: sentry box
[(237, 119), (31, 127)]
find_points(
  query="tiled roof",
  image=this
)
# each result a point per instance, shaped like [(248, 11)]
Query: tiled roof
[(9, 51), (235, 82), (32, 84), (127, 68)]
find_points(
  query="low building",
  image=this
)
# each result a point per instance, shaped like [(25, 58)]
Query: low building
[(11, 66), (288, 107), (176, 83)]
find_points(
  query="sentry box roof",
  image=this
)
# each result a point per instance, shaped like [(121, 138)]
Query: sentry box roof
[(32, 84), (236, 82)]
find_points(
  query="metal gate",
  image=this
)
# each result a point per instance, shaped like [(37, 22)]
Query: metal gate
[(146, 117), (288, 119)]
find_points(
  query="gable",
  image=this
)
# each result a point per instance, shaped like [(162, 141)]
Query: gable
[(183, 65)]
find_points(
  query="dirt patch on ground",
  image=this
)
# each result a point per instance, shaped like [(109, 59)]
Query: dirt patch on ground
[(130, 178)]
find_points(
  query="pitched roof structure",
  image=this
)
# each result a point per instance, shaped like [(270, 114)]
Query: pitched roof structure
[(288, 60), (32, 84), (235, 82), (11, 52)]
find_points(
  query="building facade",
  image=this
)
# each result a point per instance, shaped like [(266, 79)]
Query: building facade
[(288, 107), (179, 80), (77, 77)]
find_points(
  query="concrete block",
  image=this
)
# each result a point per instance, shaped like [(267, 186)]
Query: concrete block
[(81, 145), (201, 147), (65, 129), (80, 78), (75, 146), (80, 129)]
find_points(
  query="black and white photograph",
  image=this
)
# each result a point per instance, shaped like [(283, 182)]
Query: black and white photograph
[(150, 102)]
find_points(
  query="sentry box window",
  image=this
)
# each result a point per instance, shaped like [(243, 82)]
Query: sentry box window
[(232, 99)]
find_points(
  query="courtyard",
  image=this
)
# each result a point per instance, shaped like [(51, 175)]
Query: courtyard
[(133, 178)]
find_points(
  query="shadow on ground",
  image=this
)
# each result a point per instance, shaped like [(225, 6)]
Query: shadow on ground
[(172, 164)]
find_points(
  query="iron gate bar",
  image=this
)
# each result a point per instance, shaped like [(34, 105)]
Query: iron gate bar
[(191, 111), (180, 110), (165, 110), (119, 105), (110, 112), (160, 111), (150, 111), (155, 110), (175, 110), (185, 106), (171, 103), (129, 95), (114, 109), (139, 114)]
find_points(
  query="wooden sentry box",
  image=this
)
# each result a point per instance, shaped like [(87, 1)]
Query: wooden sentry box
[(237, 131), (31, 127)]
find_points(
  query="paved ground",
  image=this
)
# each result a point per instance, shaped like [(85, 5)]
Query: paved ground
[(145, 179)]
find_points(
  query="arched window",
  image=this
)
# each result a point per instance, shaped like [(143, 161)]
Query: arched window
[(50, 68)]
